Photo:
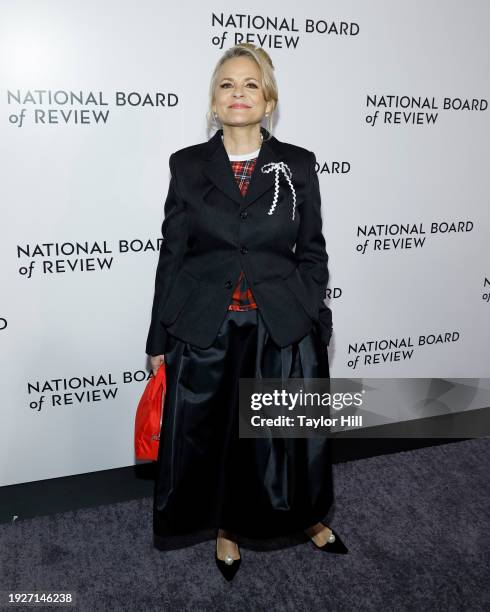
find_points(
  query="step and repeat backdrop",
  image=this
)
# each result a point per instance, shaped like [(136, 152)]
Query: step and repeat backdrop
[(94, 97)]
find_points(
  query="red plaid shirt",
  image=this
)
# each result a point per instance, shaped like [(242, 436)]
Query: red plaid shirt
[(242, 298)]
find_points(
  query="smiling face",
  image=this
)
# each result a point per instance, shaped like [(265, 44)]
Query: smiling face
[(238, 96)]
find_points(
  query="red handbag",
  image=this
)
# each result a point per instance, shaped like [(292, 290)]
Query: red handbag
[(149, 415)]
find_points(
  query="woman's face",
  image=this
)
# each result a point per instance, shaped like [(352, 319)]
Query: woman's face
[(238, 97)]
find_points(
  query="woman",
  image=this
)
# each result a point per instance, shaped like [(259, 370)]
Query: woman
[(239, 292)]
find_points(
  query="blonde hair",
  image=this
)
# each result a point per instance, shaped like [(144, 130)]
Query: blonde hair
[(268, 80)]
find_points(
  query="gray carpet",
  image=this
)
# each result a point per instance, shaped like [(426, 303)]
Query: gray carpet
[(416, 524)]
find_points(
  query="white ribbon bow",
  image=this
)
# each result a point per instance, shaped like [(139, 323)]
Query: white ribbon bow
[(284, 168)]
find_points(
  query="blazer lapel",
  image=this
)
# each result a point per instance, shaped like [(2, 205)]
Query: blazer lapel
[(217, 168)]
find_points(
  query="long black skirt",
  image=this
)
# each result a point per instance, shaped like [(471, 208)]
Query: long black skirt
[(208, 477)]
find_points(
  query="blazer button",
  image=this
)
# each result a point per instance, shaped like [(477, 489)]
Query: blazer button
[(243, 250), (244, 214), (228, 284)]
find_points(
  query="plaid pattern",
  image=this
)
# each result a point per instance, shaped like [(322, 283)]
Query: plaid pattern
[(242, 298), (243, 172)]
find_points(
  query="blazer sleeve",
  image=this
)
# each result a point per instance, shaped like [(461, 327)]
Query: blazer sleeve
[(311, 249), (174, 232)]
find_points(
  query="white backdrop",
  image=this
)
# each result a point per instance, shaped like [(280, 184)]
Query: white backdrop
[(94, 171)]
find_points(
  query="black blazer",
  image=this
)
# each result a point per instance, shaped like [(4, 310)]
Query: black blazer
[(210, 232)]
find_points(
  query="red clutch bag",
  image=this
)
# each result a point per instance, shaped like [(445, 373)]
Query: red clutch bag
[(149, 414)]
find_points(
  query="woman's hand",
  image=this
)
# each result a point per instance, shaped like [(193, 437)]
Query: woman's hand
[(155, 361)]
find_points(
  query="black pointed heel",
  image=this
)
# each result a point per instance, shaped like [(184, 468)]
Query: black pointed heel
[(333, 545), (227, 569)]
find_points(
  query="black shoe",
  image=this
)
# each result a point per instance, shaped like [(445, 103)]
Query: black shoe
[(334, 544), (227, 569)]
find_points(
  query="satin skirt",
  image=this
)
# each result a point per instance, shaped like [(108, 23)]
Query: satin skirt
[(208, 477)]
